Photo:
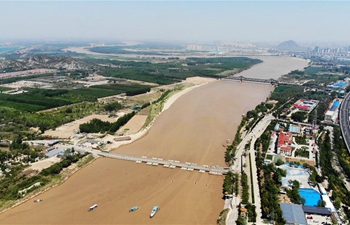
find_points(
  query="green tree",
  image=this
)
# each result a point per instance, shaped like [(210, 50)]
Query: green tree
[(241, 221), (252, 114), (321, 203), (299, 116), (113, 106), (279, 162)]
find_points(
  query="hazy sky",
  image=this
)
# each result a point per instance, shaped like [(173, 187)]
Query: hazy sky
[(177, 20)]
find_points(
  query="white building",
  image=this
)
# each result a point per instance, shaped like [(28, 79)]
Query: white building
[(331, 116)]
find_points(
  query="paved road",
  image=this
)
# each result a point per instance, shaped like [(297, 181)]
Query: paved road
[(344, 120), (257, 131), (253, 135), (299, 123), (233, 213)]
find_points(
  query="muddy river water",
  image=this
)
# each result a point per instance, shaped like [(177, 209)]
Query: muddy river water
[(193, 130)]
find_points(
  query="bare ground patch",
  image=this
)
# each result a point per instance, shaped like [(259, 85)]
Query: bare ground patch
[(133, 125), (68, 130)]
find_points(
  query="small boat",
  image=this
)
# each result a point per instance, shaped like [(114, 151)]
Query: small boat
[(38, 200), (154, 210), (92, 207), (134, 208)]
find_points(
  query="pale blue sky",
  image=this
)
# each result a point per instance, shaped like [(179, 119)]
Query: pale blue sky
[(177, 20)]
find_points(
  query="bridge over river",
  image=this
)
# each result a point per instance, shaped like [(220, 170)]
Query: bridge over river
[(171, 164), (260, 80)]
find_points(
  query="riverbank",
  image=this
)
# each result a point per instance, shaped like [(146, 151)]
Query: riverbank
[(191, 84), (55, 181)]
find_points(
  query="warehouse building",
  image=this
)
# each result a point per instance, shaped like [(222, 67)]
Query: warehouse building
[(331, 114)]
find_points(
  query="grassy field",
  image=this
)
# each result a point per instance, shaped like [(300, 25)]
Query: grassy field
[(5, 89), (174, 71), (314, 70)]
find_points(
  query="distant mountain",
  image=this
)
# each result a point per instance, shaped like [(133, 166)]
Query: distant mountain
[(290, 46), (41, 61)]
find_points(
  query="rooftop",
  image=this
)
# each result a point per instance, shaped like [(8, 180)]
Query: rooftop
[(316, 210), (284, 138), (293, 213), (294, 129)]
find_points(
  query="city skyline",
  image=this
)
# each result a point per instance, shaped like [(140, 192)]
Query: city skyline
[(195, 21)]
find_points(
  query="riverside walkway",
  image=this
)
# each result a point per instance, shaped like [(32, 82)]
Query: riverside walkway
[(215, 170)]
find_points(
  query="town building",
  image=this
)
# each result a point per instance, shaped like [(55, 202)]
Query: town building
[(53, 142), (285, 140), (306, 105), (294, 129), (277, 127), (331, 114), (337, 85), (293, 214)]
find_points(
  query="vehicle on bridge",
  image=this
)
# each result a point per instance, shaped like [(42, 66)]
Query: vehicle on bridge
[(134, 208), (154, 210)]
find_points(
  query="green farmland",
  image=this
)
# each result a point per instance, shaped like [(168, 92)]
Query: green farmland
[(174, 71), (39, 99)]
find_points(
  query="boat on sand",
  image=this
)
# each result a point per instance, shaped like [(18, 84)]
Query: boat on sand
[(154, 210), (92, 207), (134, 208)]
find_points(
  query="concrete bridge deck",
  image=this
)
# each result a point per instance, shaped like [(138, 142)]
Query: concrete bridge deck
[(216, 170), (258, 80)]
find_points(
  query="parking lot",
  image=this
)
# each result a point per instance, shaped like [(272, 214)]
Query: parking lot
[(317, 220)]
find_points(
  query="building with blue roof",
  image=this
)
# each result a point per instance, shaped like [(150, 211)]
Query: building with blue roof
[(277, 127), (294, 129), (331, 114), (338, 85), (293, 214)]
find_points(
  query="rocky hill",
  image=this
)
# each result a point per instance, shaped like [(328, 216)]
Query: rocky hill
[(290, 46), (41, 61)]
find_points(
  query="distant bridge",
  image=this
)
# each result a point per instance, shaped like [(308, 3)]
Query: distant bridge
[(260, 80), (171, 164)]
